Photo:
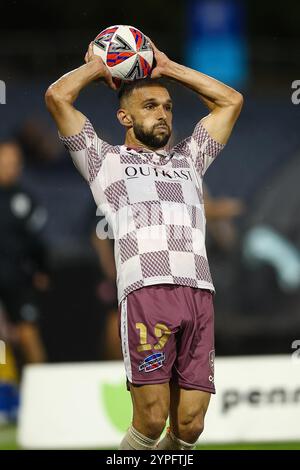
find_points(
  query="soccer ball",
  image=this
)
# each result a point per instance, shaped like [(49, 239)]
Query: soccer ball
[(126, 51)]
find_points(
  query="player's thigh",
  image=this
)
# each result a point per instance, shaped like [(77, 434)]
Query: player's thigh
[(194, 365), (150, 398), (187, 407), (150, 408)]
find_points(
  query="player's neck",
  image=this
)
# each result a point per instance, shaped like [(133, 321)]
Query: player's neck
[(134, 143)]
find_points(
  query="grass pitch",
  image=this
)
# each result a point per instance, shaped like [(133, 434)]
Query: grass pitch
[(8, 442)]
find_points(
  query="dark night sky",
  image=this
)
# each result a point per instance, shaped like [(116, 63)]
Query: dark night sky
[(265, 17), (39, 37)]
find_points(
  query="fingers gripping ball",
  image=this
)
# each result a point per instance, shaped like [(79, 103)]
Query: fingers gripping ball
[(126, 51)]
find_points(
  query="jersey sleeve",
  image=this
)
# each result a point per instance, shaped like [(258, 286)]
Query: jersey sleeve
[(87, 151), (201, 147)]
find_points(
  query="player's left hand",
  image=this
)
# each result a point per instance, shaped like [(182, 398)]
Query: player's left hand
[(104, 73), (161, 62)]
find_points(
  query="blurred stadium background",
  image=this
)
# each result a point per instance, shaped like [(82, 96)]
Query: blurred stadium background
[(253, 193)]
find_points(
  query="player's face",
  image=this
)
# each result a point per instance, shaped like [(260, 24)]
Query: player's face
[(151, 112), (10, 164)]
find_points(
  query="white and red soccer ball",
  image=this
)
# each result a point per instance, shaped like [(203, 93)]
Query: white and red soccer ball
[(126, 51)]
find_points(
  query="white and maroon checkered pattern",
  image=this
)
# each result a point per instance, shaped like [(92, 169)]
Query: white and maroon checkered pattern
[(154, 204)]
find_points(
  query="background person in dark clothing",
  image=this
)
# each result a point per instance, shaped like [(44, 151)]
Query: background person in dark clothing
[(22, 255)]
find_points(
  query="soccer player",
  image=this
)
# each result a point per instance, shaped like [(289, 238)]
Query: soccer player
[(152, 198)]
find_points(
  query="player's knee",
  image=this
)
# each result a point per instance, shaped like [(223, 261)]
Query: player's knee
[(157, 416), (154, 426), (154, 420), (191, 429)]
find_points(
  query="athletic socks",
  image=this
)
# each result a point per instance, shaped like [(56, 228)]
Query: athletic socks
[(171, 442), (134, 440)]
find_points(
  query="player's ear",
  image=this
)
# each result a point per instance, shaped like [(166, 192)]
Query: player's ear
[(124, 118)]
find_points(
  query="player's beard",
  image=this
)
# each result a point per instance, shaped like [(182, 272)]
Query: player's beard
[(151, 137)]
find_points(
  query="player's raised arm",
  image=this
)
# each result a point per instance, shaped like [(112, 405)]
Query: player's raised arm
[(224, 102), (61, 95)]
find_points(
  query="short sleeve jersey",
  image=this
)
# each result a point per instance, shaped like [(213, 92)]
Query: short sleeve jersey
[(153, 202)]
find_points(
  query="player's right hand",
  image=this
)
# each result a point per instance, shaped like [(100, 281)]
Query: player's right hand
[(104, 73)]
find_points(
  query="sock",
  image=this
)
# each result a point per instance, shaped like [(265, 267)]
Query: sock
[(171, 442), (134, 440)]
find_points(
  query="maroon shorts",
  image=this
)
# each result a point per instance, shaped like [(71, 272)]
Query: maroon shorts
[(167, 333)]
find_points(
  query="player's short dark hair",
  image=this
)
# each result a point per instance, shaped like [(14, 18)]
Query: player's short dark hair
[(127, 87)]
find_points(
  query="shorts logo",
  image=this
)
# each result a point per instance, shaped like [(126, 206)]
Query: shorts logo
[(212, 364), (153, 362), (212, 359)]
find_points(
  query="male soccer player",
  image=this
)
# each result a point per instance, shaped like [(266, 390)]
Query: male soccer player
[(152, 198)]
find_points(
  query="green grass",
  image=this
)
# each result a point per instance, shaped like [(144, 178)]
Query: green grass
[(253, 446), (8, 442), (8, 438)]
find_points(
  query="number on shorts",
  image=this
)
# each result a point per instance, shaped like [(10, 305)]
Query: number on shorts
[(161, 332), (143, 338)]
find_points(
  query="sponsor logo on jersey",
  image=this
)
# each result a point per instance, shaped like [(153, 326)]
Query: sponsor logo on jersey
[(135, 172), (152, 362)]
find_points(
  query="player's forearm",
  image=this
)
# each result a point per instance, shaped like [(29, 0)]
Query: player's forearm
[(68, 87), (61, 95), (212, 91)]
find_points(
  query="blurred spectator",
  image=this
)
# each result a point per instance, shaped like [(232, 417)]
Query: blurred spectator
[(38, 142), (223, 247), (107, 296), (23, 269), (220, 213)]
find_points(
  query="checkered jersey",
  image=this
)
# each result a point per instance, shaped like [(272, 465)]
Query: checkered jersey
[(153, 202)]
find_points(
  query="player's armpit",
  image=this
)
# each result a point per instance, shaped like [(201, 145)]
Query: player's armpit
[(220, 122)]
